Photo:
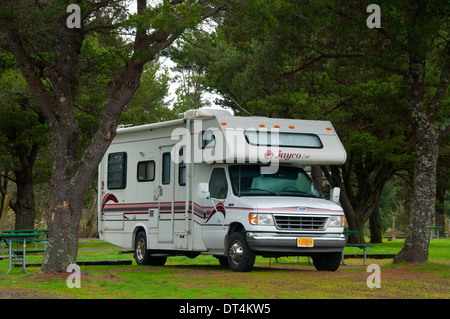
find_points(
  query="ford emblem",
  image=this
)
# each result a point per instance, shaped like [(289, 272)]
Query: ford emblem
[(302, 208)]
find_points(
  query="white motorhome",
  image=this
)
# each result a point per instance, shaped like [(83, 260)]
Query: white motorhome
[(217, 184)]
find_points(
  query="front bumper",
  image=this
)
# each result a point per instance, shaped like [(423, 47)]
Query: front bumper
[(273, 244)]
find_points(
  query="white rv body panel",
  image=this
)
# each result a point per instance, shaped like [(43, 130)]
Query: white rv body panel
[(149, 177)]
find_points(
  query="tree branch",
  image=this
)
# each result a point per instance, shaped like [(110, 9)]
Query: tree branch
[(228, 96), (15, 46), (318, 58)]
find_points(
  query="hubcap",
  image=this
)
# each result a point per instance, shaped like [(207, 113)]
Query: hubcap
[(140, 249), (236, 252)]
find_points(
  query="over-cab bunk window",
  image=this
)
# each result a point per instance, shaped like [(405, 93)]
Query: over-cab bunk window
[(268, 138), (117, 170)]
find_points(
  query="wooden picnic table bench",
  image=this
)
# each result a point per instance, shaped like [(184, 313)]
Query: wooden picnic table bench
[(13, 257)]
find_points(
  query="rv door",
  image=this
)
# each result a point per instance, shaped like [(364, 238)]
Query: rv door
[(213, 227), (166, 195)]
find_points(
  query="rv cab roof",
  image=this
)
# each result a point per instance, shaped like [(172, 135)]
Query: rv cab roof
[(205, 113)]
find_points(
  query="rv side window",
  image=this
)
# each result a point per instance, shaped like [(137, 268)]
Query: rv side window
[(117, 170), (218, 187), (182, 169), (146, 171), (165, 168)]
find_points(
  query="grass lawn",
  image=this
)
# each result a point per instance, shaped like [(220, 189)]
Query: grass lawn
[(202, 277)]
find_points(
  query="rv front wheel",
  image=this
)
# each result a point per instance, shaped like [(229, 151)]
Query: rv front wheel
[(240, 257), (327, 261)]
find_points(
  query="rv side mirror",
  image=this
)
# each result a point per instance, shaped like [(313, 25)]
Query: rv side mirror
[(336, 194), (203, 190)]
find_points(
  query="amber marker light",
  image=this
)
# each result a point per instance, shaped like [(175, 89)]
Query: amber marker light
[(253, 218)]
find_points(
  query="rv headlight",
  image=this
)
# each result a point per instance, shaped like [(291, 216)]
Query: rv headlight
[(336, 221), (260, 219)]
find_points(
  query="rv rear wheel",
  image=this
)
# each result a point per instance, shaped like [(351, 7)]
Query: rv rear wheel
[(240, 257), (142, 254), (327, 261)]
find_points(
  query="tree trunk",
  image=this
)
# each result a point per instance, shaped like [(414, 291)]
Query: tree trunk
[(358, 207), (70, 180), (418, 236), (64, 224), (376, 236), (426, 140), (316, 176), (65, 215), (24, 206), (356, 238)]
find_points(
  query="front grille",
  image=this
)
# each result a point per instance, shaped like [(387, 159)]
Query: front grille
[(295, 222)]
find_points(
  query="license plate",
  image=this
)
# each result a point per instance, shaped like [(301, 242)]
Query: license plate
[(305, 242)]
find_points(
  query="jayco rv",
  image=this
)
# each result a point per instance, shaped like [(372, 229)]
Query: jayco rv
[(232, 187)]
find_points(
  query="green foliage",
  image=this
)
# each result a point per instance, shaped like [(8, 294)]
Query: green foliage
[(166, 16), (102, 57), (7, 60), (21, 128), (148, 104), (395, 200), (319, 60)]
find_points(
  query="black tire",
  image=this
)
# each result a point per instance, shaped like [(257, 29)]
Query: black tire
[(142, 254), (240, 257), (223, 260), (327, 261)]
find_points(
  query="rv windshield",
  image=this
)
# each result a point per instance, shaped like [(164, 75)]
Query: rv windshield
[(247, 180)]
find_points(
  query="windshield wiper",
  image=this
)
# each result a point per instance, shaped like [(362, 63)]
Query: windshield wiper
[(298, 193), (260, 189)]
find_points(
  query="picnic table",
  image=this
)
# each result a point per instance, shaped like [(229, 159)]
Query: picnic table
[(361, 246), (42, 231), (17, 256), (42, 240), (435, 231)]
